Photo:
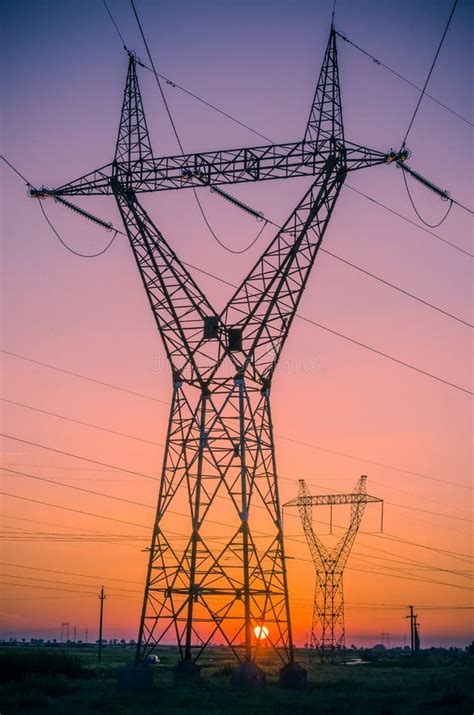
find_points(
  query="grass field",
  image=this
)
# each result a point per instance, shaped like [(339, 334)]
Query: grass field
[(79, 685)]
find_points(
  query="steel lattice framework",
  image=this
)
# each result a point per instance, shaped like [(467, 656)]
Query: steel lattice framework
[(219, 444), (327, 628)]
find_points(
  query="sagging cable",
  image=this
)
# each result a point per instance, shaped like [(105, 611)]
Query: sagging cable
[(442, 193)]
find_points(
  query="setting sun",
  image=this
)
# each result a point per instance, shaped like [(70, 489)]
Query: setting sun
[(261, 632)]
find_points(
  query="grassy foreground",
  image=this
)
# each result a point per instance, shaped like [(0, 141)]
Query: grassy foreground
[(63, 681)]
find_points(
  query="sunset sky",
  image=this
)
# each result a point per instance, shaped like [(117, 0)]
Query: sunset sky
[(339, 409)]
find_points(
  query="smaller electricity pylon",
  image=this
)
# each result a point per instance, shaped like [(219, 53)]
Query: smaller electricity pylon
[(327, 629)]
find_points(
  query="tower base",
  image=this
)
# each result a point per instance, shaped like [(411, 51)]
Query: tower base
[(248, 676), (185, 671), (293, 677), (135, 676)]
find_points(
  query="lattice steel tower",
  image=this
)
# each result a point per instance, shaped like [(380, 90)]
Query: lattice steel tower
[(327, 628), (219, 444)]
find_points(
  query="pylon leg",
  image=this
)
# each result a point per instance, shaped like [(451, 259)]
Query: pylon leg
[(229, 575)]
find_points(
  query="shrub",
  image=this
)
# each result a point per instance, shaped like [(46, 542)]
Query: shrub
[(18, 665)]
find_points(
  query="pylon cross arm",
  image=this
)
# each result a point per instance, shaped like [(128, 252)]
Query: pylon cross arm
[(217, 168), (332, 499)]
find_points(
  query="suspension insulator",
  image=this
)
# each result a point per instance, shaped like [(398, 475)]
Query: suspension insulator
[(442, 193)]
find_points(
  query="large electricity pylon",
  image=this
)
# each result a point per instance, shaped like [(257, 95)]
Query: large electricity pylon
[(327, 629), (220, 453)]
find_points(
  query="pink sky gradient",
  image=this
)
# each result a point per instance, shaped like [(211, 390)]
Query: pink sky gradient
[(62, 85)]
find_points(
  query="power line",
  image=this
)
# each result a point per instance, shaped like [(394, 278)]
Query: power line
[(392, 537), (354, 605), (410, 578), (81, 422), (375, 463), (43, 588), (381, 353), (402, 576), (77, 456), (64, 583), (329, 253), (36, 501), (290, 439), (134, 437), (436, 513), (423, 580), (78, 489), (397, 288), (351, 340), (175, 85), (41, 598), (413, 223), (170, 117), (122, 434), (89, 491), (429, 73), (402, 506), (35, 568), (404, 560), (383, 280), (63, 526), (95, 493), (18, 173), (367, 347), (138, 592), (386, 355), (115, 25), (378, 62), (135, 503), (412, 571), (77, 511), (410, 494), (84, 377)]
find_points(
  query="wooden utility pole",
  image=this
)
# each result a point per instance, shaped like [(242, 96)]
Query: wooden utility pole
[(101, 617)]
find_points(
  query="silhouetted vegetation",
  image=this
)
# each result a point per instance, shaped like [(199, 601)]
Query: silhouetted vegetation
[(18, 664), (51, 681)]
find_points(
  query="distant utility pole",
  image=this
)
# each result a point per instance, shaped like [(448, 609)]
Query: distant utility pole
[(386, 637), (417, 636), (75, 634), (101, 617), (414, 635), (64, 631), (87, 635)]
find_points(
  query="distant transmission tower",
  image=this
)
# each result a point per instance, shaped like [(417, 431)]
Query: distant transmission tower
[(220, 454), (327, 631)]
